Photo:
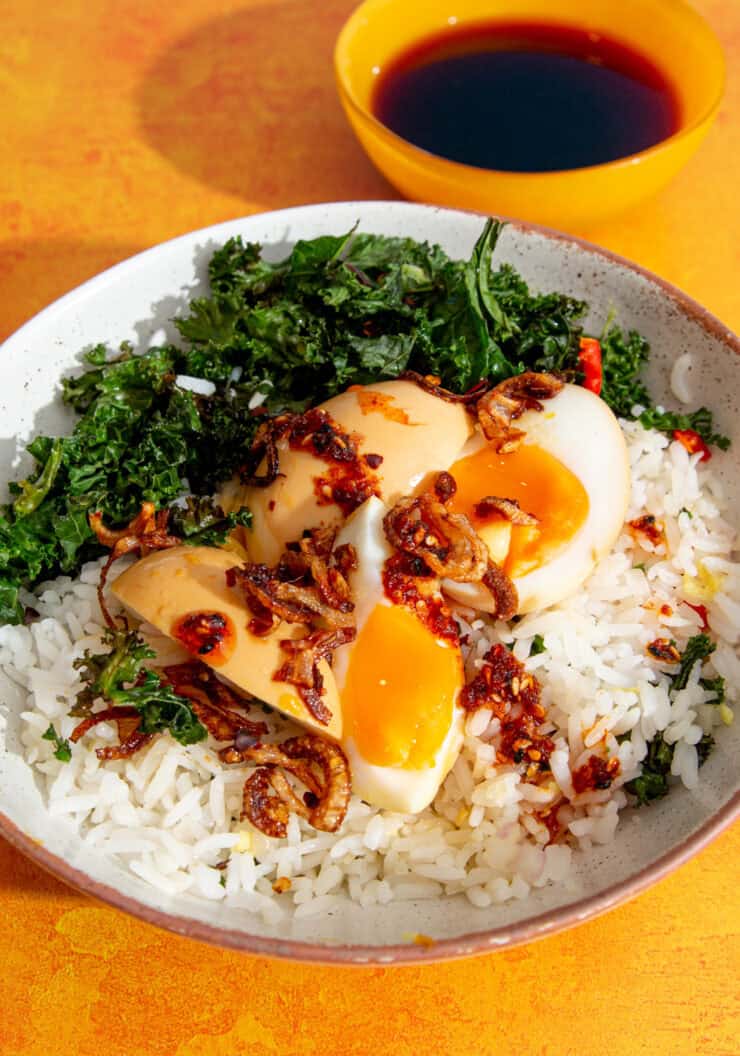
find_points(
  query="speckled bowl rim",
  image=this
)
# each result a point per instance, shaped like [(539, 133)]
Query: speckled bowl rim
[(477, 942)]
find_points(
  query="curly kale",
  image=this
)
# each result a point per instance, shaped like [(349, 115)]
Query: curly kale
[(652, 782), (119, 677)]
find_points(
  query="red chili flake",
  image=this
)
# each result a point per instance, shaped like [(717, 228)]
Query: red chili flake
[(648, 526), (665, 650), (350, 479), (589, 359), (315, 430), (346, 486), (693, 443), (550, 820), (505, 686), (374, 461), (208, 635), (403, 580), (701, 612), (596, 773), (271, 505), (666, 610)]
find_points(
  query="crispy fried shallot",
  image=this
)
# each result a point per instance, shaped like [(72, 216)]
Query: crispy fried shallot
[(502, 405), (269, 798), (502, 589), (127, 720), (271, 599), (264, 448), (447, 542), (508, 509), (212, 701), (301, 667), (144, 534), (308, 585), (350, 478), (444, 544), (431, 383)]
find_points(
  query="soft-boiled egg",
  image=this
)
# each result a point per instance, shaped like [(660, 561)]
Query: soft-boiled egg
[(414, 433), (398, 684), (183, 593), (571, 472), (393, 692)]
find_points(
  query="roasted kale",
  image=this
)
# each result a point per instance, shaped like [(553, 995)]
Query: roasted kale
[(537, 646), (119, 677), (697, 649), (652, 782)]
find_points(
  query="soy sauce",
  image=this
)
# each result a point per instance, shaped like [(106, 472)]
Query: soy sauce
[(526, 97)]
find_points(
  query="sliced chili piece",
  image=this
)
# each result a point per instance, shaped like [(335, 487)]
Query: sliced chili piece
[(693, 443), (589, 358)]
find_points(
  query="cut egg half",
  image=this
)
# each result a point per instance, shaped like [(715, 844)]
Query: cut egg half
[(572, 474), (398, 684), (413, 431), (180, 590)]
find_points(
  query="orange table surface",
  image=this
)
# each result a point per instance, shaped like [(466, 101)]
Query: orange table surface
[(125, 123)]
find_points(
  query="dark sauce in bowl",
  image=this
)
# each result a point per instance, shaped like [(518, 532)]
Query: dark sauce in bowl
[(526, 97)]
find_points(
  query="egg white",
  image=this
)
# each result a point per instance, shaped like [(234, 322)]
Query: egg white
[(578, 429), (391, 788), (413, 431)]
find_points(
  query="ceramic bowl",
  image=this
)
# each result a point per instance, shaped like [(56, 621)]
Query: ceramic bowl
[(134, 301), (675, 36)]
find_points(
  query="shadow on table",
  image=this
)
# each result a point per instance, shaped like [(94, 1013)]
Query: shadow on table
[(33, 273), (247, 104)]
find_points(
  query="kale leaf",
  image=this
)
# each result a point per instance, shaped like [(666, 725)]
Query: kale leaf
[(697, 649), (701, 421), (537, 646), (62, 750), (623, 357), (652, 782), (716, 686), (201, 522), (120, 678)]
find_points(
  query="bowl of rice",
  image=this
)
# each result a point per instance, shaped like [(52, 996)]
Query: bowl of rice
[(637, 668)]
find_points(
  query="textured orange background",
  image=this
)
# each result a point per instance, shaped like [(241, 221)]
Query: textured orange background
[(123, 123)]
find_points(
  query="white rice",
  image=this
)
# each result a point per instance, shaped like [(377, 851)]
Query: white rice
[(171, 813)]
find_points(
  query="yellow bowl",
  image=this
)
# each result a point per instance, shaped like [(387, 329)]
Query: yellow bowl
[(672, 33)]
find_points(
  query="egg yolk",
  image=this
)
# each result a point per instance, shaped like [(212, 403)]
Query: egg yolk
[(399, 694), (542, 486)]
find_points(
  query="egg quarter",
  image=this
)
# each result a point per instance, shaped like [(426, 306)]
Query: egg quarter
[(571, 473), (413, 431), (398, 683), (186, 583)]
